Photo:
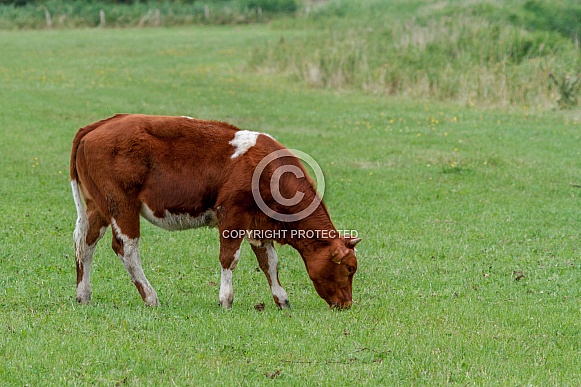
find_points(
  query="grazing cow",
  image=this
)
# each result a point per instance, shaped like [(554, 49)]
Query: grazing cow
[(180, 173)]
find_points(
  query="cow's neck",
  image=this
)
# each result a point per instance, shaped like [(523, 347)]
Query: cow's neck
[(313, 232)]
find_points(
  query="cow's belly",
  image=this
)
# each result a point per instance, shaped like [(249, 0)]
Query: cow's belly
[(174, 222)]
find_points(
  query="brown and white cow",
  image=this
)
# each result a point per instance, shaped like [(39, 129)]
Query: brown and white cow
[(180, 173)]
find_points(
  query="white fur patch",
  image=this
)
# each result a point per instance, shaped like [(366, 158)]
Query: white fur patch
[(226, 291), (82, 227), (77, 198), (242, 141), (236, 259), (83, 251), (173, 222), (276, 289), (132, 263), (130, 256), (130, 245)]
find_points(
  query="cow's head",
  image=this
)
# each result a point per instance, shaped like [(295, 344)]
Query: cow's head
[(332, 268)]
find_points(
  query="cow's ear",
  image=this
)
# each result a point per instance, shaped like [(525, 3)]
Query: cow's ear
[(352, 242), (338, 254)]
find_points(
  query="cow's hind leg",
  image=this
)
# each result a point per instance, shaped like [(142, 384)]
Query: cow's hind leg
[(89, 229), (268, 262), (126, 245)]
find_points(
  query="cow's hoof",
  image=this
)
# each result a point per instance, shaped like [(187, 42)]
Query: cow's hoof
[(283, 304), (152, 301), (83, 297), (225, 304)]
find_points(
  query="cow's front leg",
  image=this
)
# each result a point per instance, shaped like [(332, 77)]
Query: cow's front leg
[(229, 256), (268, 262)]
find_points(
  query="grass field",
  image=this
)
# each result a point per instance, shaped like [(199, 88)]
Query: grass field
[(469, 270)]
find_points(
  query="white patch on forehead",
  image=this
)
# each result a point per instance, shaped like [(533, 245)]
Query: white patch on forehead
[(174, 222), (242, 141), (188, 117)]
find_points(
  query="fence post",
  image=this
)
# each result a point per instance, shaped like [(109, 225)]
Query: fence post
[(48, 18), (157, 20), (102, 20)]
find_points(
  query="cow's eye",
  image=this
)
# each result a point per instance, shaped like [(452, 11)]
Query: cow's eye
[(350, 269)]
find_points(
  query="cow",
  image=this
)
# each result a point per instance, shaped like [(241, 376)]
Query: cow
[(180, 173)]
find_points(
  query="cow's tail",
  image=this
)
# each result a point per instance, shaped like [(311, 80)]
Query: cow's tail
[(82, 219)]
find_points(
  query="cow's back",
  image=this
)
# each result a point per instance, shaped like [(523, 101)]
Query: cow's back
[(175, 164)]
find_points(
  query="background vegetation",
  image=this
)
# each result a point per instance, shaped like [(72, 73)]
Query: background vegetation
[(470, 213), (484, 52), (88, 13), (499, 53)]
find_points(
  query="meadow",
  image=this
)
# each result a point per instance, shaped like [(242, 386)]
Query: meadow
[(469, 270)]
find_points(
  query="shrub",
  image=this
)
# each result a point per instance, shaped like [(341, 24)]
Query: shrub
[(273, 6), (127, 13), (471, 53)]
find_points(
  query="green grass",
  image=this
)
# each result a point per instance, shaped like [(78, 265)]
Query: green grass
[(486, 53), (455, 203)]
